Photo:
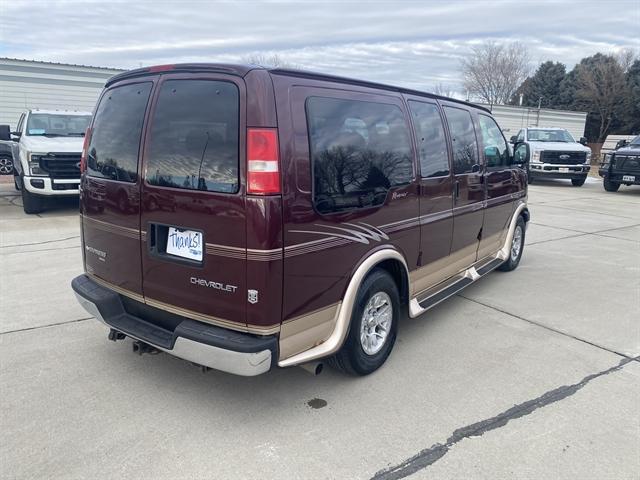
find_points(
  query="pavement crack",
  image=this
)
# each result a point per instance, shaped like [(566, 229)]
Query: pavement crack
[(434, 453), (40, 243), (46, 326), (546, 327)]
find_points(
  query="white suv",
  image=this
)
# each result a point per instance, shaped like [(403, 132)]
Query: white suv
[(552, 153), (47, 154)]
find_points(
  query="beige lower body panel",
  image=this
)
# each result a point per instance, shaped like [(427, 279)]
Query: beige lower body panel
[(307, 331)]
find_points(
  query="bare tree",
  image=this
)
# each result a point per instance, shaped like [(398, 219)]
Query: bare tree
[(493, 72), (272, 61), (444, 90), (601, 88)]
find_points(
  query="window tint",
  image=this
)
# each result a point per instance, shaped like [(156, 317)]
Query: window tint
[(115, 140), (463, 140), (496, 152), (194, 136), (432, 144), (359, 150)]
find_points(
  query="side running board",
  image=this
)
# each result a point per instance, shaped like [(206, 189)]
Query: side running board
[(433, 296)]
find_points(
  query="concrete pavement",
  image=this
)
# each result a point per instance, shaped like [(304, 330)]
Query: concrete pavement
[(528, 374)]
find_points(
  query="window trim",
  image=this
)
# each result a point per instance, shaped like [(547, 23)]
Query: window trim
[(412, 152), (486, 164), (446, 139), (142, 130), (240, 189)]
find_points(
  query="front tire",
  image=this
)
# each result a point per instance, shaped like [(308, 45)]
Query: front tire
[(578, 182), (373, 328), (6, 165), (517, 247), (31, 204), (610, 186)]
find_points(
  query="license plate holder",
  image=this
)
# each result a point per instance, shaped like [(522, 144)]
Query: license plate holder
[(628, 178), (185, 243)]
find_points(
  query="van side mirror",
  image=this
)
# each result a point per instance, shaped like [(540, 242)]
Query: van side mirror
[(492, 155), (5, 133), (583, 140)]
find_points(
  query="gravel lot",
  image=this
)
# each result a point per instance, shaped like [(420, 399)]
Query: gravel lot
[(531, 374)]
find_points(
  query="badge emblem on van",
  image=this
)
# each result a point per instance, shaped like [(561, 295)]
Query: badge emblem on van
[(252, 296)]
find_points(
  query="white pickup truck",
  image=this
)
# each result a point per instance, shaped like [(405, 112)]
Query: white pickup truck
[(552, 153), (47, 154)]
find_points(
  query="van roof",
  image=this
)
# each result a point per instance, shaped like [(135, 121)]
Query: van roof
[(242, 70)]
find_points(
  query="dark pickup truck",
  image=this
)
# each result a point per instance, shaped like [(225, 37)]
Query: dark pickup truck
[(621, 166)]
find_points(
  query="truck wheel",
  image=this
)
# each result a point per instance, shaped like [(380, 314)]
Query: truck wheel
[(578, 182), (517, 247), (610, 186), (6, 165), (374, 325), (31, 203)]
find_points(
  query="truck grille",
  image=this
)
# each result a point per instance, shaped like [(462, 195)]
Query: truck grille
[(569, 158), (628, 163), (61, 165)]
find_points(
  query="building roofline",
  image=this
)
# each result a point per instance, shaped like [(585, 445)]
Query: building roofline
[(41, 62)]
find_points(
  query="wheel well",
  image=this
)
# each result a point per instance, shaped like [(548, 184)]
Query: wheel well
[(399, 274), (526, 215)]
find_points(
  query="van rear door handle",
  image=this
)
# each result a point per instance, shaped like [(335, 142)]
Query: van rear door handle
[(456, 189)]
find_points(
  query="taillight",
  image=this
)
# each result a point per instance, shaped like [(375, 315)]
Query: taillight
[(263, 161), (85, 147)]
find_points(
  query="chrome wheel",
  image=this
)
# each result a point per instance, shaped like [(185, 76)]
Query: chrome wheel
[(376, 323), (516, 244), (6, 166)]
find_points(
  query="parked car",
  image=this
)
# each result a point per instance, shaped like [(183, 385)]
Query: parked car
[(552, 153), (6, 152), (622, 166), (47, 154), (308, 213)]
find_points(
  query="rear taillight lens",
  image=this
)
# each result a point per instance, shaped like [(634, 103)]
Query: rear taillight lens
[(263, 161), (85, 148)]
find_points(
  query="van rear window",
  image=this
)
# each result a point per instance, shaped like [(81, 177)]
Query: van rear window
[(115, 141), (359, 151), (194, 136)]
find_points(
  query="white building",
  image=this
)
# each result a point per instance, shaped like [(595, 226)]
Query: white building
[(30, 84), (511, 119)]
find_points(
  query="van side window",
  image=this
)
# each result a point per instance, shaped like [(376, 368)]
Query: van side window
[(113, 151), (463, 140), (195, 136), (496, 151), (359, 150), (432, 144)]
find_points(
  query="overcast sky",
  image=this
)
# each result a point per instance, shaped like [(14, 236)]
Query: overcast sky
[(411, 43)]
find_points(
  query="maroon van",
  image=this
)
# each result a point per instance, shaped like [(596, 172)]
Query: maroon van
[(244, 218)]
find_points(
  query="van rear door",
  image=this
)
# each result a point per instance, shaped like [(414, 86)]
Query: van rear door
[(193, 204), (110, 193)]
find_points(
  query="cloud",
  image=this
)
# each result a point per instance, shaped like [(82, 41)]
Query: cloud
[(410, 43)]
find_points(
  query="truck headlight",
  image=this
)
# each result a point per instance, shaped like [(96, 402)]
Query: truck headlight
[(34, 164), (535, 155), (588, 159)]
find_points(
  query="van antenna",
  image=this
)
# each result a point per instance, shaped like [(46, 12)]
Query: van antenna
[(202, 161)]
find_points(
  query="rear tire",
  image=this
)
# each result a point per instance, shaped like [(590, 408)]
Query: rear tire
[(517, 247), (610, 186), (373, 327), (578, 182), (31, 203)]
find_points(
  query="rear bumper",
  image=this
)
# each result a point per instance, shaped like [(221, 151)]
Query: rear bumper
[(197, 342)]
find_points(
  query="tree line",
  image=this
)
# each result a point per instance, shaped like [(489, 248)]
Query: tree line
[(606, 86)]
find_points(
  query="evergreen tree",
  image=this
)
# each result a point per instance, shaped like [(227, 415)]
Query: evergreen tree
[(543, 86)]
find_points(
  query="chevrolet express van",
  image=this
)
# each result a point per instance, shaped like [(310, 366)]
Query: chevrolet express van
[(244, 218)]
